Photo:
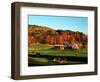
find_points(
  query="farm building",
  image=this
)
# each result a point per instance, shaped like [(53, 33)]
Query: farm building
[(61, 47), (74, 46)]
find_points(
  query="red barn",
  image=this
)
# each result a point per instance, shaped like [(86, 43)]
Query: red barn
[(61, 47)]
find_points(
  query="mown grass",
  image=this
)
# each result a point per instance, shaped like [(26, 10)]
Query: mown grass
[(49, 50)]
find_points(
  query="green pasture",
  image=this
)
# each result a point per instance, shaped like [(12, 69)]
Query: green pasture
[(46, 49), (49, 50)]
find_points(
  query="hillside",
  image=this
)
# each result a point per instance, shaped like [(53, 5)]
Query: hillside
[(46, 35)]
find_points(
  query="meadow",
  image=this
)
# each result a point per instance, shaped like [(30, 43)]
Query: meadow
[(44, 54)]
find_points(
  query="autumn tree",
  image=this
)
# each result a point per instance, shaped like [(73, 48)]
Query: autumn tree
[(46, 35)]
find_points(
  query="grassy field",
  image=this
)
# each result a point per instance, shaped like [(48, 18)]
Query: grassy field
[(49, 50), (37, 61)]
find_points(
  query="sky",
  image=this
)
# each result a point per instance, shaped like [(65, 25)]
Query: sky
[(60, 22)]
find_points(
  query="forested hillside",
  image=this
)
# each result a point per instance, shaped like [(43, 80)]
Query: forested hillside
[(46, 35)]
